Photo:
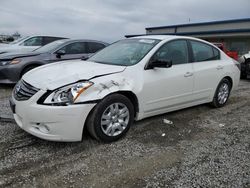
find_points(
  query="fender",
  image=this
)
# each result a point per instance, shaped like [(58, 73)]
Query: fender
[(106, 85)]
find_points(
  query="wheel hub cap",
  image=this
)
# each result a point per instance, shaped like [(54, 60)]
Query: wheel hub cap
[(115, 119), (223, 93)]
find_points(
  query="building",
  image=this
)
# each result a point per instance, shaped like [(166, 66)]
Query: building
[(235, 34)]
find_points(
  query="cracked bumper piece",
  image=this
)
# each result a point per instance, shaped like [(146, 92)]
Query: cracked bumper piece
[(55, 123)]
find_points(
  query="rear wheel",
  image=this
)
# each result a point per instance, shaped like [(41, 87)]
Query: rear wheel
[(222, 93), (111, 118)]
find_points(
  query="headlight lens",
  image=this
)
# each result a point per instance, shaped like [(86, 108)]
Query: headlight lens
[(12, 62), (67, 95), (3, 63), (15, 61)]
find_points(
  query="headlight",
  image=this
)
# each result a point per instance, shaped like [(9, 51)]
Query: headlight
[(67, 95), (3, 63), (15, 61), (8, 62)]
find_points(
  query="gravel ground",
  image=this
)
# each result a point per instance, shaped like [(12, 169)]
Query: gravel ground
[(205, 147)]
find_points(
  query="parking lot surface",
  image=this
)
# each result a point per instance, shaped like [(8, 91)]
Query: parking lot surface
[(204, 147)]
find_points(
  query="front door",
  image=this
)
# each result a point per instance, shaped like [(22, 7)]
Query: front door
[(167, 88), (76, 50)]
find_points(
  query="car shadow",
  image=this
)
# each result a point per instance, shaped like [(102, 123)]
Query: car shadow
[(7, 86)]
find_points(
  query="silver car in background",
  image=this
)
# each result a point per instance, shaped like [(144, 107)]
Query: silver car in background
[(27, 44), (14, 65)]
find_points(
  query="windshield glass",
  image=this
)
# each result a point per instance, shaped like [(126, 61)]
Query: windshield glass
[(51, 46), (18, 40), (125, 52)]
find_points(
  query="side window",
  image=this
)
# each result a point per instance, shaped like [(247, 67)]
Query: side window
[(94, 47), (175, 51), (216, 54), (75, 48), (47, 40), (34, 41), (204, 52)]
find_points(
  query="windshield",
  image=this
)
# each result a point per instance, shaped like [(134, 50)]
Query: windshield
[(51, 46), (18, 40), (125, 52)]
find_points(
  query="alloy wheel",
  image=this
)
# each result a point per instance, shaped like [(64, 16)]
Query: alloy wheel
[(115, 119), (223, 93)]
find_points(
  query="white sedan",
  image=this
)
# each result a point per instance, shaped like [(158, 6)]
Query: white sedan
[(129, 80), (27, 44)]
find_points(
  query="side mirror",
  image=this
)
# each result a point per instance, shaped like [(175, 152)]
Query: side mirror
[(84, 58), (59, 53), (159, 63)]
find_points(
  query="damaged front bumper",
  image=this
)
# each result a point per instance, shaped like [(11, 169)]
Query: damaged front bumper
[(55, 123)]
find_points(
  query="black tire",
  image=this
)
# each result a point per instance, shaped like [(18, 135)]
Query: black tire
[(243, 76), (216, 100), (93, 122), (27, 69)]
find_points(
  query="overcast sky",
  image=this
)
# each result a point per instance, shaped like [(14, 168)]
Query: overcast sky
[(110, 20)]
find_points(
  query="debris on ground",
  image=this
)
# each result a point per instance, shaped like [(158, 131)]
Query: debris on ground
[(221, 125), (166, 121)]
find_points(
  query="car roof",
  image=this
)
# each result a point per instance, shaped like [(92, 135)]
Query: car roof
[(84, 40), (159, 37), (171, 37), (166, 37)]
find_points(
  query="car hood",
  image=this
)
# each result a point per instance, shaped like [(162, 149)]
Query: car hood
[(9, 56), (53, 76), (7, 47), (3, 45), (15, 48)]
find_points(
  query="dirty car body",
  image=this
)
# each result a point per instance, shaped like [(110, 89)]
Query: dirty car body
[(131, 79)]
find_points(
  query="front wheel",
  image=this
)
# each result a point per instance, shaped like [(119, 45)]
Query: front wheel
[(222, 93), (27, 69), (111, 118)]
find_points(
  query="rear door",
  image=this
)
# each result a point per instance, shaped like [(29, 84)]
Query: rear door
[(208, 69)]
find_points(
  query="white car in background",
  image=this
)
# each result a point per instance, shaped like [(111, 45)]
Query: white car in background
[(131, 79), (245, 65), (27, 44)]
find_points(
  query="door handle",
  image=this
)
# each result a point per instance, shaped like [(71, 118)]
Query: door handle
[(188, 74), (219, 67)]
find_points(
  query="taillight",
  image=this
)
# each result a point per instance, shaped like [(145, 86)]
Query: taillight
[(237, 64)]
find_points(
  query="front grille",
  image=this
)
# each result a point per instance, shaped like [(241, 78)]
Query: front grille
[(23, 91)]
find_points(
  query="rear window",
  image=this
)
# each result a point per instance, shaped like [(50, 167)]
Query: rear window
[(94, 47), (204, 52), (47, 40)]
